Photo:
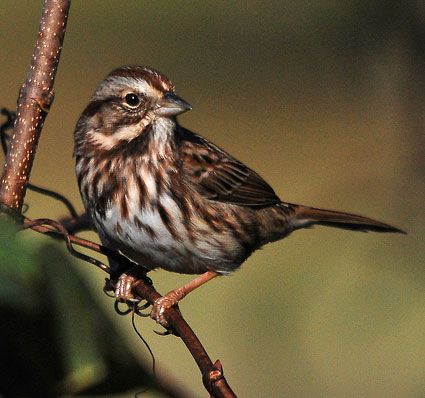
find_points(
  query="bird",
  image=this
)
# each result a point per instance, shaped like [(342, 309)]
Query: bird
[(168, 198)]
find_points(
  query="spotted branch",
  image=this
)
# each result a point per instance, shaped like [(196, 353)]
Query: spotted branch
[(35, 98)]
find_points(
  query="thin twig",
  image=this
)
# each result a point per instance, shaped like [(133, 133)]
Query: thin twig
[(58, 230), (55, 195), (57, 227), (77, 224)]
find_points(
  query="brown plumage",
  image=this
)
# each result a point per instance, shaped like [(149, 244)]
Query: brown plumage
[(166, 197)]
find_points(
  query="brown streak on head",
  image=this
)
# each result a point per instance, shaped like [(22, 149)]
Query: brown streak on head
[(152, 76)]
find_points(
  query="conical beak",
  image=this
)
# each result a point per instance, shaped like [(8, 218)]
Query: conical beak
[(171, 105)]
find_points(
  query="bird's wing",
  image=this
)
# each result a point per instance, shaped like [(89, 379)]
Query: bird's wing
[(216, 175)]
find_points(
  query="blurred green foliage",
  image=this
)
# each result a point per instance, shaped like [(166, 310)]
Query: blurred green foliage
[(51, 341)]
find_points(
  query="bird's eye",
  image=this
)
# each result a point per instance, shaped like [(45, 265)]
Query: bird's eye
[(132, 100)]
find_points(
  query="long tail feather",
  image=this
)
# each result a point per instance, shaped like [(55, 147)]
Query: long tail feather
[(305, 216)]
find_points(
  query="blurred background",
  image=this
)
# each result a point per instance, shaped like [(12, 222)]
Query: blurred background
[(325, 100)]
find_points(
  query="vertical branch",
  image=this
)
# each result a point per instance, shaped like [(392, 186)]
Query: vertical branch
[(35, 98)]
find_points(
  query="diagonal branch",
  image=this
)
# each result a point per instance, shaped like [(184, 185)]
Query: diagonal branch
[(35, 98), (212, 374)]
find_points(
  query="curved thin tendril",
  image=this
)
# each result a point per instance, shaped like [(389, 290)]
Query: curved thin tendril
[(133, 323)]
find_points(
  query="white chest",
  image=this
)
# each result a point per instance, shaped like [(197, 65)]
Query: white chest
[(154, 240)]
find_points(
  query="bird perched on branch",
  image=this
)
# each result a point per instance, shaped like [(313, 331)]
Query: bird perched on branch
[(167, 197)]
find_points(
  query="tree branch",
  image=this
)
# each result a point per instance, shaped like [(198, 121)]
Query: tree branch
[(79, 222), (212, 374), (35, 98)]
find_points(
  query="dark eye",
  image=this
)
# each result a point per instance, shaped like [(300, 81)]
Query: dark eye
[(132, 100)]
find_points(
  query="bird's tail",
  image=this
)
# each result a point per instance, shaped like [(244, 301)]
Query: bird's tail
[(304, 216)]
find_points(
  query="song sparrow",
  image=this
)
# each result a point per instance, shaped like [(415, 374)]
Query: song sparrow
[(166, 197)]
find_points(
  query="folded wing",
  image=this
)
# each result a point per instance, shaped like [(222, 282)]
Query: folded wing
[(218, 176)]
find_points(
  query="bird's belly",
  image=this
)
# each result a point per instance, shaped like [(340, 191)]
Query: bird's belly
[(155, 241)]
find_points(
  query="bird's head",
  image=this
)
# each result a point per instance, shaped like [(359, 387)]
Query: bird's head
[(126, 103)]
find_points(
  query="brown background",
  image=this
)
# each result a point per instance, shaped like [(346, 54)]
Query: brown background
[(326, 101)]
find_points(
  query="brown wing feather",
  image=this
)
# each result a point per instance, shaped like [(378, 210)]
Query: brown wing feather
[(218, 176)]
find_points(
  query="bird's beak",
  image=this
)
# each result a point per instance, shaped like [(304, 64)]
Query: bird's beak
[(171, 105)]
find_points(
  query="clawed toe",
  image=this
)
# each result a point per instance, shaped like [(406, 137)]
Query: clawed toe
[(109, 288), (120, 311), (138, 309), (132, 307), (166, 332), (123, 289), (158, 310), (159, 307), (124, 294)]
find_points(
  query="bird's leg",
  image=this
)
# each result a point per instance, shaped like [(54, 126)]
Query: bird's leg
[(117, 268), (172, 298)]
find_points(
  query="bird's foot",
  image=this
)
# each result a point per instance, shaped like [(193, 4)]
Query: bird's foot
[(123, 288), (162, 304)]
